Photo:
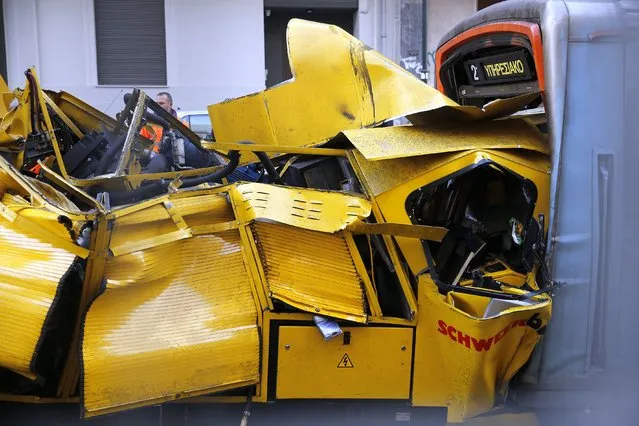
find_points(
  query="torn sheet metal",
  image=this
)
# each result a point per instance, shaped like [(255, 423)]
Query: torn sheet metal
[(168, 221), (351, 87), (381, 176), (15, 122), (85, 116), (422, 232), (4, 89), (313, 209), (31, 273), (311, 271), (498, 108), (475, 357), (167, 328), (409, 141)]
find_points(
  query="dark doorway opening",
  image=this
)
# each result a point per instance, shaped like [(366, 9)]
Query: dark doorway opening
[(275, 22)]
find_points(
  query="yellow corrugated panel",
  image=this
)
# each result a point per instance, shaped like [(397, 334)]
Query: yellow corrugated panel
[(30, 275), (176, 320), (310, 270)]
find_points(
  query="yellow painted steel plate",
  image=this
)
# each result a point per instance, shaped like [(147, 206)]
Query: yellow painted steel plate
[(376, 363), (176, 320)]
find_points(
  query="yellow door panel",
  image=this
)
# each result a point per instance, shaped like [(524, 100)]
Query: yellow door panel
[(176, 320), (375, 364), (312, 271)]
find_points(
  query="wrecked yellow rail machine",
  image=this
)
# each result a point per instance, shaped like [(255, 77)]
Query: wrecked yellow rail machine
[(308, 250)]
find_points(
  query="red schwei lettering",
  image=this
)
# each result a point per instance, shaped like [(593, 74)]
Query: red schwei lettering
[(481, 344), (451, 331), (485, 344), (442, 327), (518, 323), (463, 339), (501, 334)]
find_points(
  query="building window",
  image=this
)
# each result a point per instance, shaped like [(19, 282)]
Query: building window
[(130, 42)]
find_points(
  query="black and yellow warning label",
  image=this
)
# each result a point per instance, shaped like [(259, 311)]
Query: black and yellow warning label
[(345, 362)]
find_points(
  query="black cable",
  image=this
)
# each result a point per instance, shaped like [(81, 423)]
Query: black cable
[(270, 168), (34, 99), (130, 99), (143, 192), (234, 159)]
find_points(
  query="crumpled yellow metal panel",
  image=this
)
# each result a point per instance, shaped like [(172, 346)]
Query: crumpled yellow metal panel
[(3, 90), (408, 141), (15, 122), (313, 209), (175, 320), (381, 176), (466, 357), (311, 271), (31, 271), (168, 221), (339, 83)]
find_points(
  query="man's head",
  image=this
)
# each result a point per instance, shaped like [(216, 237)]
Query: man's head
[(165, 100)]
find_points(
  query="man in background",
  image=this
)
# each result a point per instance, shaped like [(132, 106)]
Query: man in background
[(154, 131), (165, 100)]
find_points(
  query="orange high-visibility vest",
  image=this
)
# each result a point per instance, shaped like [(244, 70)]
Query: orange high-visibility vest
[(154, 133)]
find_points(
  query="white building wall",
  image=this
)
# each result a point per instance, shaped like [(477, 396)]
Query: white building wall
[(215, 50), (377, 23), (443, 15)]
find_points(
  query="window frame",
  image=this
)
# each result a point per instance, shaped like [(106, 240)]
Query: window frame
[(91, 54)]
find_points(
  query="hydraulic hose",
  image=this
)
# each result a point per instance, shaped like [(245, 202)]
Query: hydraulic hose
[(234, 159), (268, 165), (159, 187), (129, 102), (34, 100), (104, 161), (143, 192)]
